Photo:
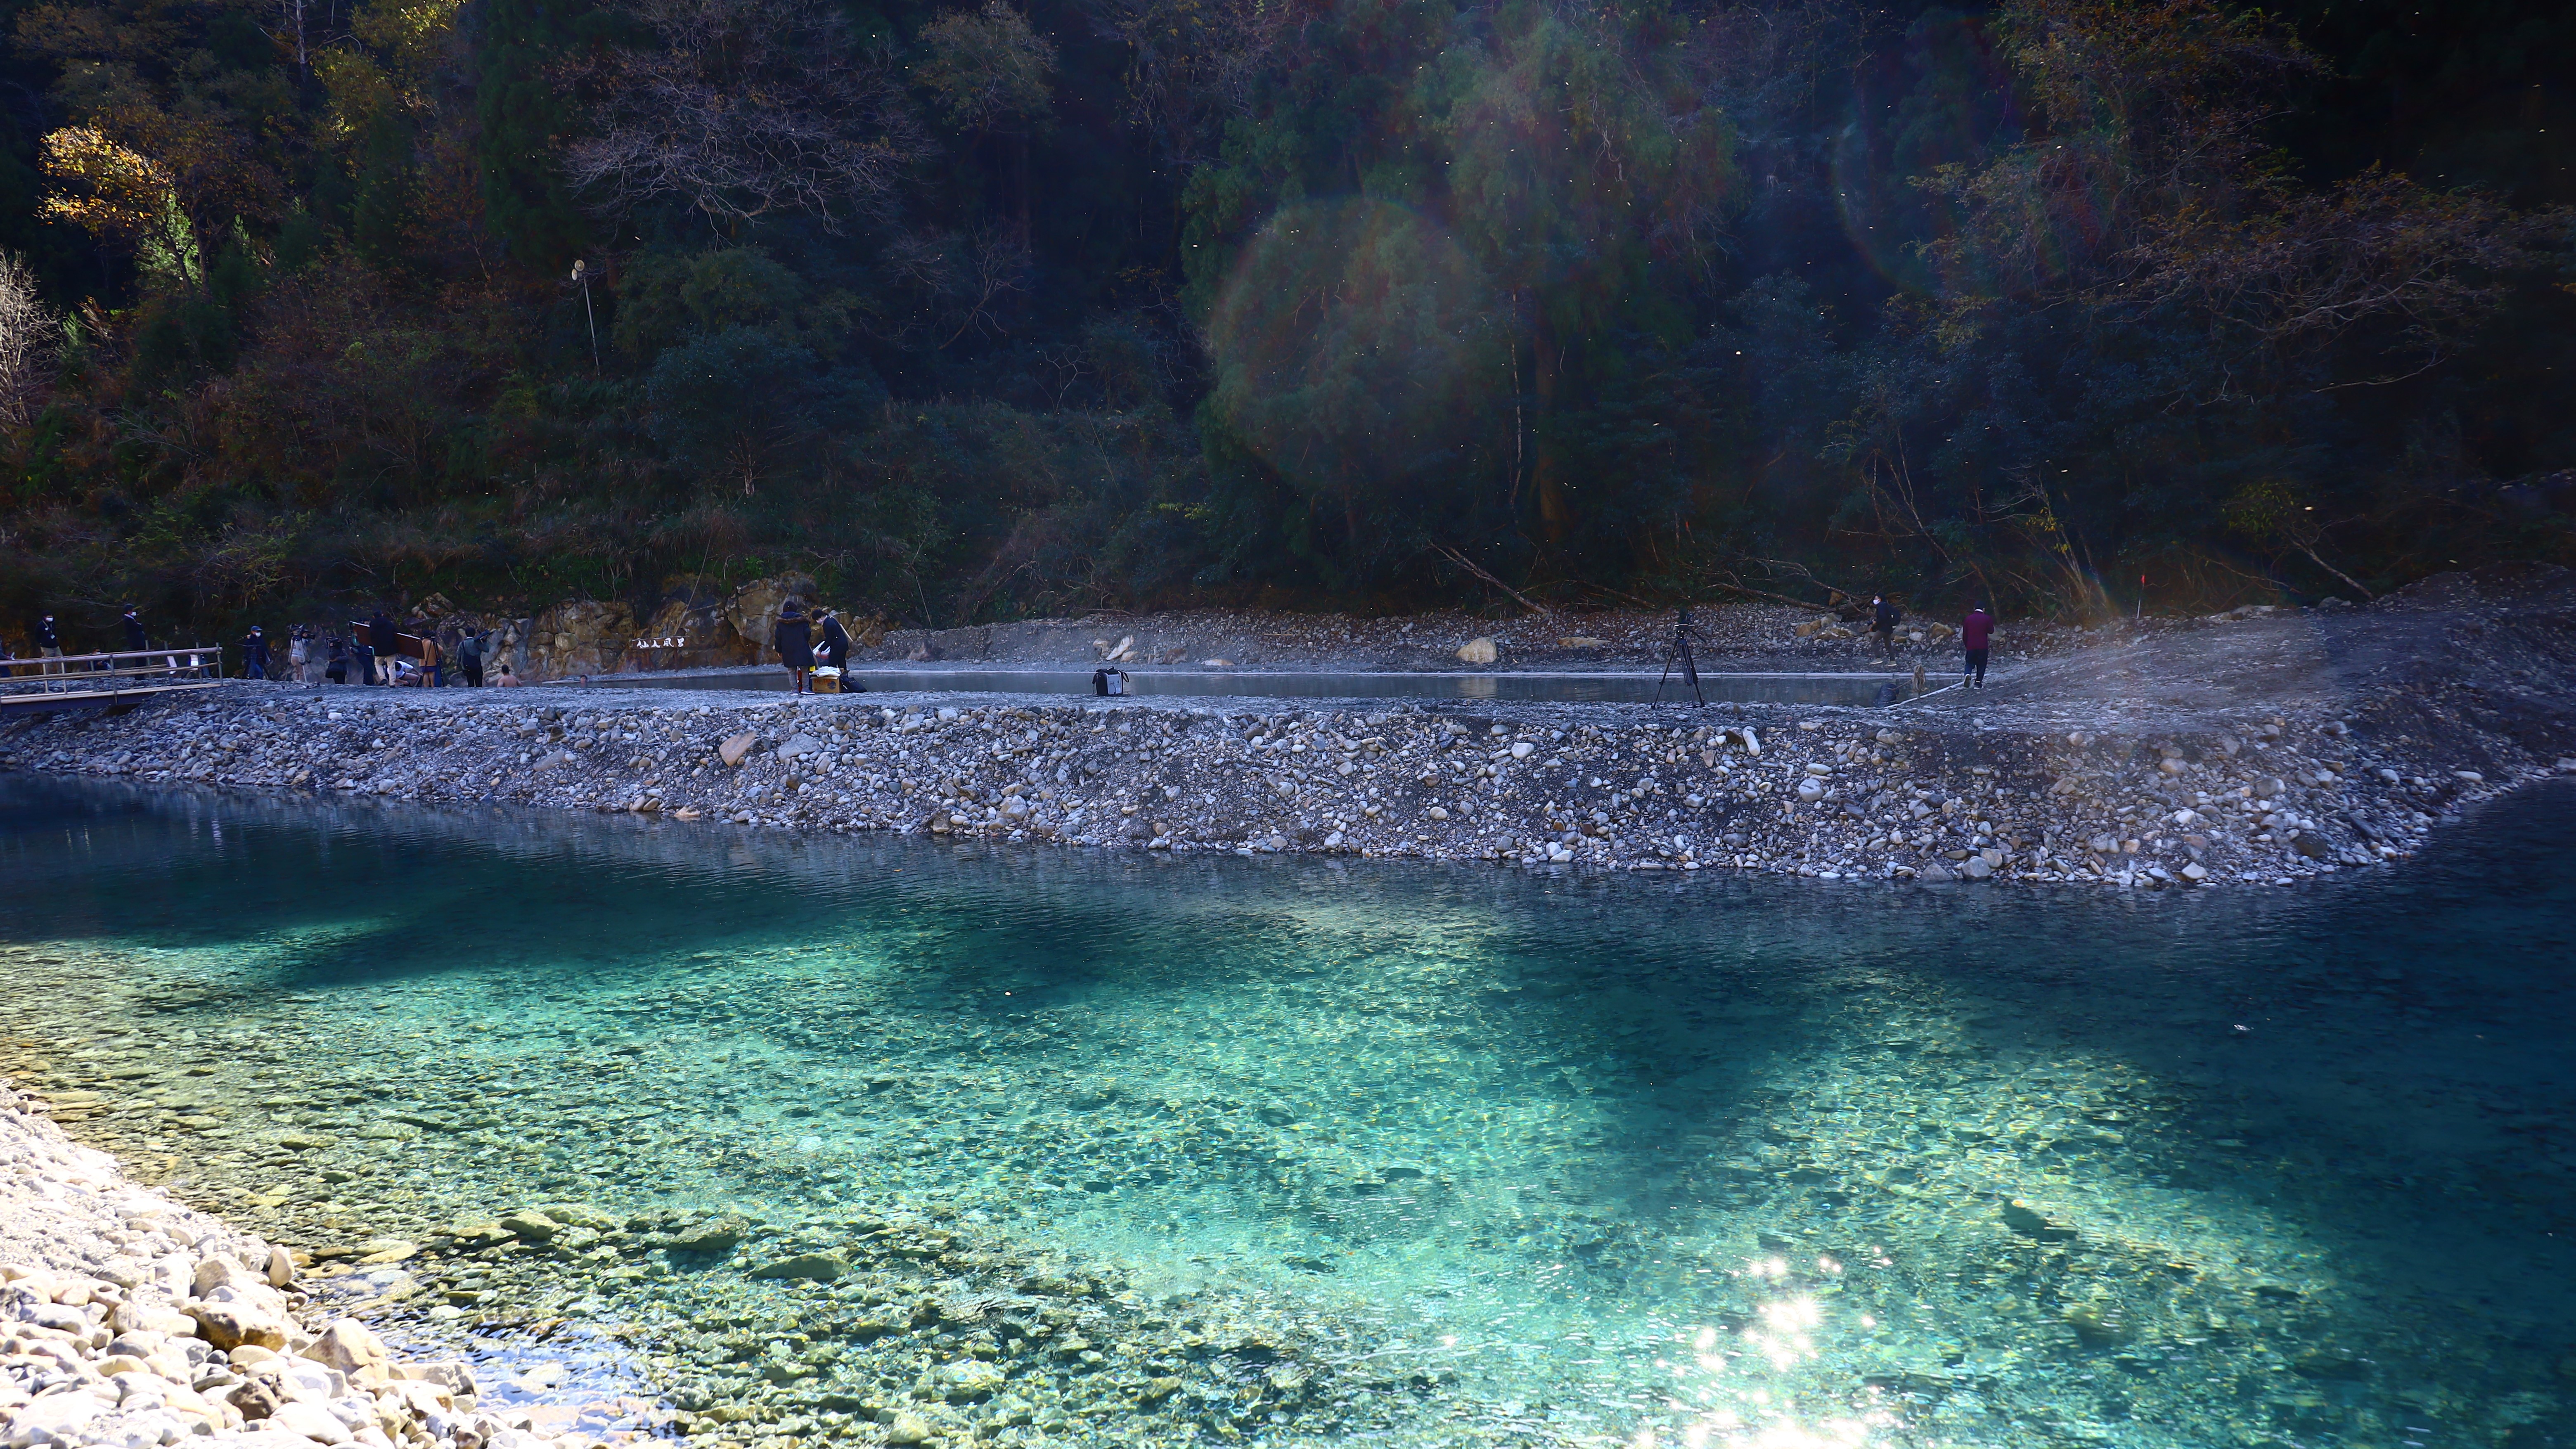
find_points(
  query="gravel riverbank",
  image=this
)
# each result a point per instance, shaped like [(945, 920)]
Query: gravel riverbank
[(2255, 748), (129, 1320)]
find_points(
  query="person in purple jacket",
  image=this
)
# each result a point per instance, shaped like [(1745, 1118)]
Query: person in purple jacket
[(1976, 634)]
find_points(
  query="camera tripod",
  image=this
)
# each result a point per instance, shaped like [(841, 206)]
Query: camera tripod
[(1680, 653)]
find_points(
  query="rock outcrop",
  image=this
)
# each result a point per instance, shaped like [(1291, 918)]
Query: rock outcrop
[(752, 611), (690, 633), (579, 637)]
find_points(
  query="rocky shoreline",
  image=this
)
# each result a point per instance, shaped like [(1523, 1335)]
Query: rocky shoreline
[(2123, 764), (129, 1320), (1806, 791), (1813, 791)]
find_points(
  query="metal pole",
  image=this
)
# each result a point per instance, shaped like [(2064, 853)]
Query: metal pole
[(581, 274)]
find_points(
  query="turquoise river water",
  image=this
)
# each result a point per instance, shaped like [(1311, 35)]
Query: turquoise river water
[(1672, 1160)]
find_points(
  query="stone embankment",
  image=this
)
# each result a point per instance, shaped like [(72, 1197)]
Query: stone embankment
[(128, 1320), (2238, 748), (1816, 792)]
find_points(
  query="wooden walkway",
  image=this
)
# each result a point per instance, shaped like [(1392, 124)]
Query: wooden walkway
[(87, 679)]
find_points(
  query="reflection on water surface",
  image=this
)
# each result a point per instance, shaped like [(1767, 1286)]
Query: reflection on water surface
[(1528, 1158)]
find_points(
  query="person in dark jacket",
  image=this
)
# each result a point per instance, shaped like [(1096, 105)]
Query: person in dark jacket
[(1976, 635), (1882, 622), (469, 658), (49, 644), (794, 640), (134, 629), (362, 663), (836, 641), (255, 655), (383, 640), (336, 669)]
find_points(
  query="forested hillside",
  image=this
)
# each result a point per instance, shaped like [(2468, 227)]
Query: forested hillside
[(980, 312)]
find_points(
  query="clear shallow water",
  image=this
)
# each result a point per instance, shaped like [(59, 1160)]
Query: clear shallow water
[(1720, 1161)]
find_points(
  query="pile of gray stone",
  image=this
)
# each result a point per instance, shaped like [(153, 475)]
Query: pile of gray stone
[(128, 1320)]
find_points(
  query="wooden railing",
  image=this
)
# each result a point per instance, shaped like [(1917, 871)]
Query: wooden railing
[(99, 676)]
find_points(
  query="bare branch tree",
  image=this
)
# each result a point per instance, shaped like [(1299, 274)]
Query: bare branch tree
[(743, 108), (1001, 264), (28, 337), (2378, 247), (956, 284)]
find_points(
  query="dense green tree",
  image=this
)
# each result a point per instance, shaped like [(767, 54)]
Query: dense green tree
[(976, 308), (523, 114)]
